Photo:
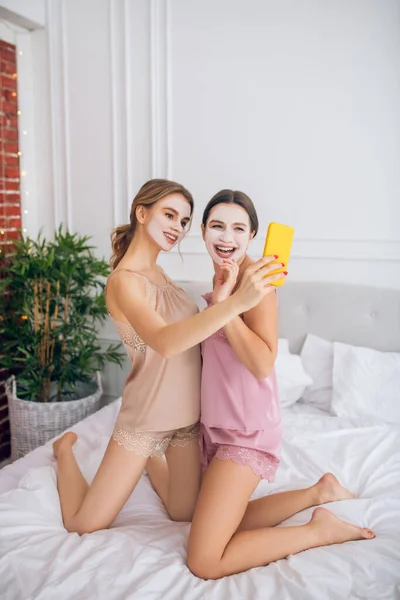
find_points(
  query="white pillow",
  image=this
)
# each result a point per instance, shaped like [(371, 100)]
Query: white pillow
[(283, 346), (366, 382), (317, 358), (291, 377)]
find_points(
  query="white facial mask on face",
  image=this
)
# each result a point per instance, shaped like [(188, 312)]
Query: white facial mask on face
[(165, 226), (227, 233)]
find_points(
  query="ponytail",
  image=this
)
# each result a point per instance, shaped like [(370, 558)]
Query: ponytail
[(121, 237)]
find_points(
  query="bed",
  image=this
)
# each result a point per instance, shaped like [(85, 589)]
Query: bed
[(143, 554)]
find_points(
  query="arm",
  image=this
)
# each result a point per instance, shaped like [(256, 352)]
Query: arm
[(255, 340), (126, 295)]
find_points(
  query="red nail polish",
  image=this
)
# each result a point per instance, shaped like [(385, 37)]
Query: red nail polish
[(285, 272), (283, 264), (275, 256)]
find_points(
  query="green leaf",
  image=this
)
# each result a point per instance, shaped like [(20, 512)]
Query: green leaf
[(62, 282)]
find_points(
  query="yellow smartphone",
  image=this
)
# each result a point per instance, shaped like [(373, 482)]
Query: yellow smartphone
[(279, 243)]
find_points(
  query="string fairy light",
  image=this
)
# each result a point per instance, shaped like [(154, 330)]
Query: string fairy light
[(3, 125), (14, 94)]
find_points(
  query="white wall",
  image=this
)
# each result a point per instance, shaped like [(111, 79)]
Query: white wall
[(297, 104), (26, 13), (294, 102), (100, 97)]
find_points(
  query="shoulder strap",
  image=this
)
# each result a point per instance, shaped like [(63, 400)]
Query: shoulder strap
[(121, 269), (150, 288), (129, 271), (167, 279)]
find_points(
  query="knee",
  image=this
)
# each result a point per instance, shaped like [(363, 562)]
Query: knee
[(74, 525), (202, 567), (181, 514)]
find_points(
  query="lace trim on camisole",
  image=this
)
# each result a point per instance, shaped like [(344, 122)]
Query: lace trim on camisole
[(220, 333), (128, 335)]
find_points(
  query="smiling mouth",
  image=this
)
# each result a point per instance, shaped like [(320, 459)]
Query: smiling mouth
[(224, 251), (172, 239)]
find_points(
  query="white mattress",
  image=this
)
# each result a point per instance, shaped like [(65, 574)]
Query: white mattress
[(143, 555)]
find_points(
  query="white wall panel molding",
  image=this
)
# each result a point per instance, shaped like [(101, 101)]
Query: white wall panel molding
[(308, 248), (160, 89), (119, 99), (59, 94)]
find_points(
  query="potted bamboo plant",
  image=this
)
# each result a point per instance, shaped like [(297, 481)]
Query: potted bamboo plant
[(51, 303)]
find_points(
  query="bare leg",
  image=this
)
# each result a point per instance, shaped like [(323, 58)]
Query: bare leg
[(177, 480), (72, 486), (158, 472), (89, 508), (217, 549), (275, 508)]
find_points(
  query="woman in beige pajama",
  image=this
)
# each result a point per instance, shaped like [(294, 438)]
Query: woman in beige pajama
[(161, 330)]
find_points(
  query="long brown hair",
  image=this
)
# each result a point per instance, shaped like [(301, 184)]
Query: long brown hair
[(148, 195), (233, 197)]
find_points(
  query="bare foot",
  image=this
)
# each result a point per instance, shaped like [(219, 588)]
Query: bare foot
[(332, 530), (68, 439), (329, 489)]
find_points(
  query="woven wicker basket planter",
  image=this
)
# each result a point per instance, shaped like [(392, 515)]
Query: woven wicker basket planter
[(33, 424)]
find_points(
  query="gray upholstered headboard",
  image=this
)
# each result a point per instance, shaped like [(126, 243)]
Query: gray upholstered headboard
[(358, 315)]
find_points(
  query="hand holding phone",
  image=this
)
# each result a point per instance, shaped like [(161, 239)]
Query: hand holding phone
[(279, 243)]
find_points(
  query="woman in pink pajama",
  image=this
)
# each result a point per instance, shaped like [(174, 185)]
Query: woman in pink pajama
[(241, 430)]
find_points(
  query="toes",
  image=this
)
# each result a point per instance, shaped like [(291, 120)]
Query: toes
[(368, 533), (68, 438)]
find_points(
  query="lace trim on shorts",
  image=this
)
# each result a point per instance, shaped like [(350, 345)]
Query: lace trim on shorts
[(182, 438), (262, 463), (142, 444), (147, 445)]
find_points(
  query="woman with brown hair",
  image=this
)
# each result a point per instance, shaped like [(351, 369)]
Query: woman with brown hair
[(161, 330), (241, 430)]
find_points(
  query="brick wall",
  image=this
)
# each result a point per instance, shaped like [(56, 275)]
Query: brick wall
[(10, 206)]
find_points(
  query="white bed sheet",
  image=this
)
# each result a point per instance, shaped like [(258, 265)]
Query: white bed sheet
[(143, 555)]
